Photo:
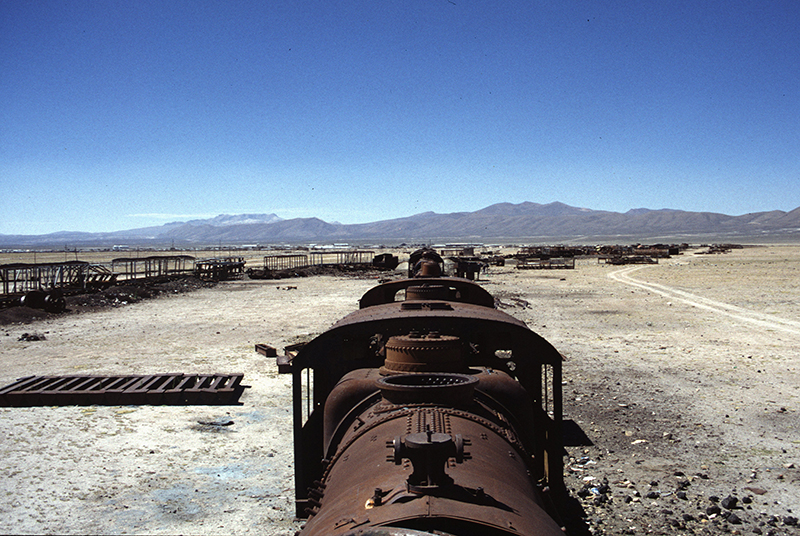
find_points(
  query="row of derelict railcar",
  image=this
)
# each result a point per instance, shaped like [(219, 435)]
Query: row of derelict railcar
[(19, 279)]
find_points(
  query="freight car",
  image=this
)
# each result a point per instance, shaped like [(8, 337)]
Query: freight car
[(427, 411)]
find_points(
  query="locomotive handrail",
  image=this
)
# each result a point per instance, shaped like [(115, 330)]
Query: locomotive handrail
[(470, 322), (467, 291)]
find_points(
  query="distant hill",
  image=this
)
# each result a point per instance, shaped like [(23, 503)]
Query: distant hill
[(529, 222)]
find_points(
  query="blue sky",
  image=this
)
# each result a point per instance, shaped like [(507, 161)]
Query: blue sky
[(118, 114)]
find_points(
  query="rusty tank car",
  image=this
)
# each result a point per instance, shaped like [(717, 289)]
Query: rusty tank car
[(427, 411)]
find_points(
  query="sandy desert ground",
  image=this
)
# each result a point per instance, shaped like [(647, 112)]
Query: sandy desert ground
[(684, 376)]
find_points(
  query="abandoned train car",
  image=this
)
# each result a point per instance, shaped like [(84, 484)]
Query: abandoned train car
[(427, 410)]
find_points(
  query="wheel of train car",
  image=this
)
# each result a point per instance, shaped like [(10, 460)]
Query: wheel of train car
[(33, 299), (54, 302)]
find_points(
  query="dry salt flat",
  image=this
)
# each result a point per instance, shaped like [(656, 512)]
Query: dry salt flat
[(684, 377)]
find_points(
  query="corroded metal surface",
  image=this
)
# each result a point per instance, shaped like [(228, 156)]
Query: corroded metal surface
[(220, 269), (455, 289), (436, 413), (368, 482)]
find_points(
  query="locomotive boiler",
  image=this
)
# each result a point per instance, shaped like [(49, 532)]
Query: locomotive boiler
[(427, 411)]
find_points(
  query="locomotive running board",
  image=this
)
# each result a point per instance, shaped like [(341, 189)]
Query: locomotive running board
[(155, 390)]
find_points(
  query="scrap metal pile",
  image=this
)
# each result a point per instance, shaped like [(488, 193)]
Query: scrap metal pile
[(154, 389)]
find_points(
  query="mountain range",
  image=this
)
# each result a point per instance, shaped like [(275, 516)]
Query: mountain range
[(527, 222)]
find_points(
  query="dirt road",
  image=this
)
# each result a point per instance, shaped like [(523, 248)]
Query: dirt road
[(757, 318), (684, 377)]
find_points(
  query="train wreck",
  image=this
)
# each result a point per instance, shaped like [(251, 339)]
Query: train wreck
[(434, 414)]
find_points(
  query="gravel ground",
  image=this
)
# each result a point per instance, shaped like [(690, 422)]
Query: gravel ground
[(681, 391)]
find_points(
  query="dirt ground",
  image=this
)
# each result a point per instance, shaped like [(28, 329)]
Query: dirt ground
[(684, 377)]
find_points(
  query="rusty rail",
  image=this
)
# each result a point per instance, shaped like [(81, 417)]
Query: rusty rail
[(154, 390)]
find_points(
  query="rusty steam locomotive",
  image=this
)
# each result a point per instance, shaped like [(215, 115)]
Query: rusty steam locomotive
[(436, 413)]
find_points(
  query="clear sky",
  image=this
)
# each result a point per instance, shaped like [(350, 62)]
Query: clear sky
[(122, 114)]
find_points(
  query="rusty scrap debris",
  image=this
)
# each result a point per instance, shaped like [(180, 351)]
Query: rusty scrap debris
[(632, 259), (45, 285), (220, 269), (282, 266), (718, 248), (564, 263), (563, 257), (154, 390)]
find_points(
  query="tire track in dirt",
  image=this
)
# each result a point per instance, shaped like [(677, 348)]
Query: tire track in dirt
[(720, 308)]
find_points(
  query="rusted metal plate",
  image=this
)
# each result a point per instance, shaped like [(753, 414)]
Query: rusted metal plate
[(266, 350), (156, 390), (284, 361)]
